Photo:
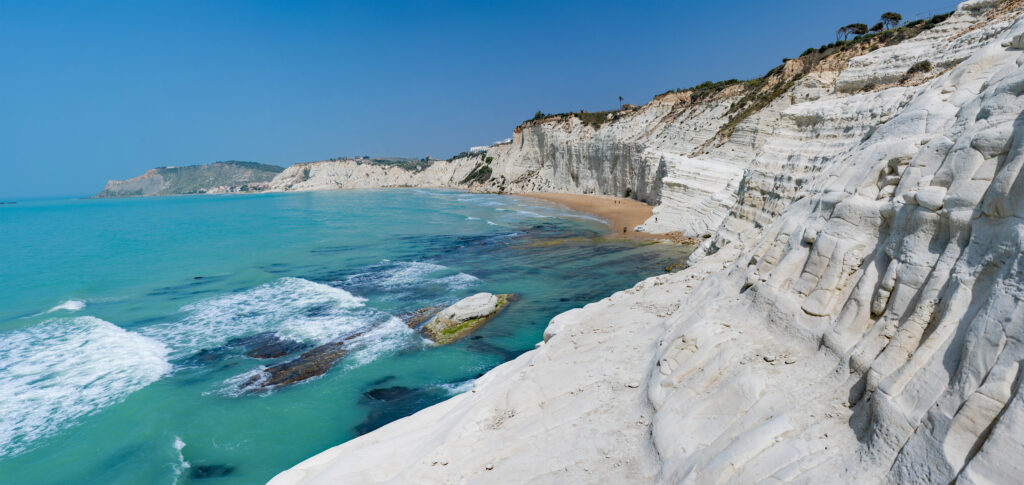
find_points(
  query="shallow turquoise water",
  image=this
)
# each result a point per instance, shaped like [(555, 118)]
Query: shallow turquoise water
[(107, 306)]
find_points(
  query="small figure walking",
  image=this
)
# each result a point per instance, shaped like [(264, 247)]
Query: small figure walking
[(623, 229)]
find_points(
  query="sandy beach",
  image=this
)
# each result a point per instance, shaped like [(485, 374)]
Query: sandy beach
[(619, 212)]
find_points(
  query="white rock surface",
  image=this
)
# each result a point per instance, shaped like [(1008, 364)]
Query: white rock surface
[(827, 332), (930, 197), (476, 306)]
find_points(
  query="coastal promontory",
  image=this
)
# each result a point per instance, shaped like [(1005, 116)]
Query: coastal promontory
[(217, 177)]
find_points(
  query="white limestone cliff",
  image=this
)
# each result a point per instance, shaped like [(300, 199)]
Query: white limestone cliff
[(857, 314)]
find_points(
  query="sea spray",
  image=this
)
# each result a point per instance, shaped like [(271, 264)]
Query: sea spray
[(70, 305), (182, 465)]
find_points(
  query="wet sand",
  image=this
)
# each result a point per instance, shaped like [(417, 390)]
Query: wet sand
[(619, 212)]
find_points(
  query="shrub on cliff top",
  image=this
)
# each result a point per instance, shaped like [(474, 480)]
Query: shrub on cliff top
[(923, 66), (932, 22), (707, 89), (593, 119)]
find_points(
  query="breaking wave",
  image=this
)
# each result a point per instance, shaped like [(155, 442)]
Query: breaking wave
[(60, 370), (403, 275), (294, 308)]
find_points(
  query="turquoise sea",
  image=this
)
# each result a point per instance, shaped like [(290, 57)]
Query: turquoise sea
[(124, 322)]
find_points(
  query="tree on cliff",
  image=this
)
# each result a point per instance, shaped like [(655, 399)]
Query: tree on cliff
[(853, 29), (891, 19), (842, 33)]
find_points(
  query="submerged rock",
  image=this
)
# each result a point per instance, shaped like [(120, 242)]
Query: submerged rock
[(480, 345), (462, 318), (315, 362), (210, 471), (267, 345), (276, 349), (387, 404), (204, 356), (389, 393), (264, 345)]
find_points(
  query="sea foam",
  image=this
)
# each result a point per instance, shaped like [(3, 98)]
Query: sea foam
[(70, 305), (383, 339), (544, 212), (294, 308), (456, 388), (404, 275), (58, 371), (182, 464)]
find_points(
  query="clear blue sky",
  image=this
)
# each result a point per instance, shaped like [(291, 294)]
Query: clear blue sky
[(91, 91)]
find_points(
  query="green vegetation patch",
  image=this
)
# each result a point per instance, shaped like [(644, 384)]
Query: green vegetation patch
[(707, 89), (923, 66), (594, 120), (409, 164), (480, 174), (197, 179), (762, 91), (758, 93)]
